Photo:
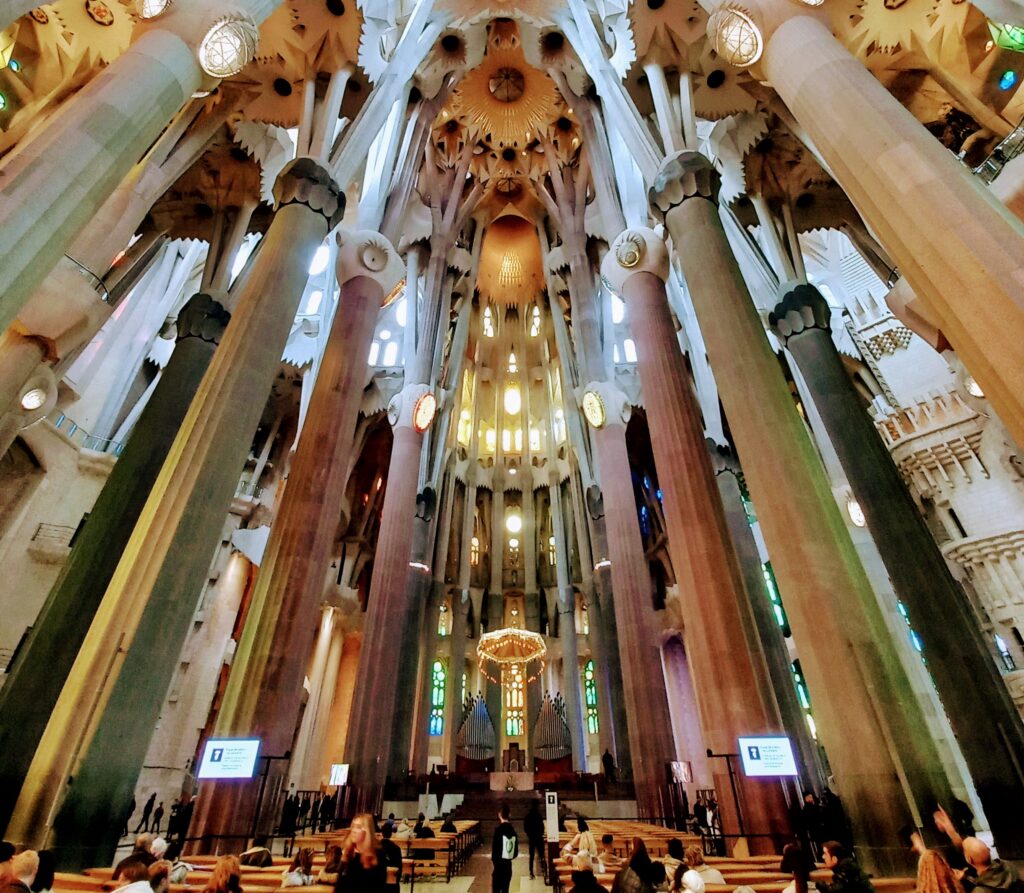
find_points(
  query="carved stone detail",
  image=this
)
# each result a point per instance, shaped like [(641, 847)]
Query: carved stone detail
[(304, 182), (635, 250), (803, 308), (368, 254), (202, 317), (684, 175)]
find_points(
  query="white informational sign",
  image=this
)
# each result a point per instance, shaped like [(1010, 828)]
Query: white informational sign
[(339, 773), (551, 816), (767, 757), (229, 758)]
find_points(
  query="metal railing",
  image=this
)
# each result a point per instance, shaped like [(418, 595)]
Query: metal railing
[(53, 535), (78, 435), (1009, 147)]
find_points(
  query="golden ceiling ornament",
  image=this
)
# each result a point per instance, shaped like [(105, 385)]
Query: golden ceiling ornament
[(511, 647), (883, 26), (506, 98), (511, 272), (101, 29)]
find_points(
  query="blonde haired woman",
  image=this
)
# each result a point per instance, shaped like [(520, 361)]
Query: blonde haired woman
[(363, 864)]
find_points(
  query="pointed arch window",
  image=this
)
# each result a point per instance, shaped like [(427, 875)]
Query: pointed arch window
[(438, 678), (590, 697)]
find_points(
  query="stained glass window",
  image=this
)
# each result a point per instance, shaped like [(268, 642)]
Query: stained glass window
[(438, 677), (515, 701), (590, 696)]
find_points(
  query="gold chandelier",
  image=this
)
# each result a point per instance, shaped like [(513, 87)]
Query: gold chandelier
[(509, 649)]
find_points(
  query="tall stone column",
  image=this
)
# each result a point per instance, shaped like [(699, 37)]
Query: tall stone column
[(567, 632), (456, 667), (369, 744), (36, 677), (127, 660), (885, 762), (61, 178), (957, 245), (315, 769), (264, 691), (766, 630), (341, 706), (643, 681), (986, 723), (730, 688)]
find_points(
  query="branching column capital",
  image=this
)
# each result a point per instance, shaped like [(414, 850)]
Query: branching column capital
[(801, 309), (305, 182), (683, 175), (203, 317)]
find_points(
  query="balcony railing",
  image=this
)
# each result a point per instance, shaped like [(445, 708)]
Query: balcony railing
[(86, 441)]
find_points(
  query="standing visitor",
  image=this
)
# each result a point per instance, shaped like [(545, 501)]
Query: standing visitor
[(363, 863), (504, 849), (158, 817), (147, 811), (128, 817), (45, 873), (608, 762), (533, 826)]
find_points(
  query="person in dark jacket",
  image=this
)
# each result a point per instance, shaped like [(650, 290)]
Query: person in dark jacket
[(847, 875), (583, 879), (392, 856), (986, 874), (533, 825), (363, 863), (504, 849), (637, 876)]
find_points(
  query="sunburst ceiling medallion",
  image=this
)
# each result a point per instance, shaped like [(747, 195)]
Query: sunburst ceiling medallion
[(506, 98)]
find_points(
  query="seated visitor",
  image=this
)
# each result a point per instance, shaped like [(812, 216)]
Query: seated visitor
[(258, 855), (581, 828), (674, 858), (332, 865), (984, 873), (448, 825), (422, 829), (135, 878), (226, 876), (796, 863), (934, 874), (637, 875), (23, 872), (141, 853), (45, 873), (659, 877), (686, 880), (160, 876), (694, 858), (392, 857), (847, 875), (300, 872), (363, 865), (179, 869), (583, 879), (606, 855), (6, 857), (404, 830), (587, 847)]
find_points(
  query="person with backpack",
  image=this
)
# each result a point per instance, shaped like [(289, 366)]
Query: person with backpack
[(504, 849)]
